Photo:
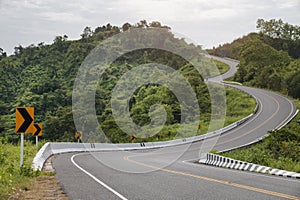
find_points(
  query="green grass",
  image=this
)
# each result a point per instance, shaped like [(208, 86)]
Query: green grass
[(222, 66), (12, 178), (281, 149), (238, 106)]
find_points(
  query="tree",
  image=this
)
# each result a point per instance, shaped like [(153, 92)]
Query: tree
[(126, 26), (87, 32), (115, 30), (100, 29), (108, 27), (2, 54), (272, 28), (280, 35), (232, 49), (57, 40), (142, 24), (294, 85), (262, 65), (155, 24), (43, 76), (18, 50), (261, 54), (59, 43)]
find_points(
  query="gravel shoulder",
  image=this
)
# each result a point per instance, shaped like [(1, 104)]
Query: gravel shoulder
[(43, 187)]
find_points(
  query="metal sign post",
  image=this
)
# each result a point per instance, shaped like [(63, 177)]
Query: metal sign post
[(24, 125), (199, 127), (37, 142), (22, 150)]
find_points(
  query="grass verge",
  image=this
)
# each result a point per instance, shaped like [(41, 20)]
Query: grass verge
[(12, 178), (238, 106), (222, 66)]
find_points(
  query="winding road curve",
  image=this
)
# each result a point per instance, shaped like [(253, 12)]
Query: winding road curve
[(83, 177)]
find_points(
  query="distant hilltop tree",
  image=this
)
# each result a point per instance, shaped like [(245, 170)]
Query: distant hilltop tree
[(278, 29)]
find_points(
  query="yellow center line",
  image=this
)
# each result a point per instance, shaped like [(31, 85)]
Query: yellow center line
[(263, 123), (269, 192), (213, 180), (230, 140)]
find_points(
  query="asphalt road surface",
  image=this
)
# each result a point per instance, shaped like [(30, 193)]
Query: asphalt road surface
[(170, 173)]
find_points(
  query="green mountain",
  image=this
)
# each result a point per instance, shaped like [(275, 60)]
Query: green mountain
[(269, 59), (42, 76)]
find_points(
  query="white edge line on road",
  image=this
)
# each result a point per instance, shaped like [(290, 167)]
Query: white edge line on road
[(290, 117), (97, 180), (254, 116)]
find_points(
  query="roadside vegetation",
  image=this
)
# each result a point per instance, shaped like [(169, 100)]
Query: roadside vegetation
[(281, 149), (221, 66), (12, 178), (238, 106), (270, 59), (42, 76)]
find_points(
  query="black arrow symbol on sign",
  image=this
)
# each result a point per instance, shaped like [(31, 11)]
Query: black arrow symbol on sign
[(38, 130), (27, 120)]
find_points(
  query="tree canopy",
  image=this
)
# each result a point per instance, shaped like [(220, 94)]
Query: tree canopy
[(278, 29), (42, 76), (270, 58)]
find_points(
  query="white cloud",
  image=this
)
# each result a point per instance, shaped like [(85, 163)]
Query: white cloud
[(204, 21), (287, 3), (63, 17)]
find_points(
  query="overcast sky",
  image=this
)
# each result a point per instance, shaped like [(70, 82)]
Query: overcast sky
[(206, 22)]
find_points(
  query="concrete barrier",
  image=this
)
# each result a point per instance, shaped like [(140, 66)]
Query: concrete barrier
[(221, 161), (52, 148)]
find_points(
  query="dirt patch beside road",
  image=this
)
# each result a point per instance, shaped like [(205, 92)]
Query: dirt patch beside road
[(43, 187)]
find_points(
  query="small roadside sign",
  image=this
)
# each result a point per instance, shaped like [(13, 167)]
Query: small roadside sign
[(132, 138), (78, 136), (25, 120), (24, 125), (38, 130)]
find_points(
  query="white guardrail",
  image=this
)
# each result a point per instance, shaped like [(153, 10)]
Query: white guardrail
[(51, 148)]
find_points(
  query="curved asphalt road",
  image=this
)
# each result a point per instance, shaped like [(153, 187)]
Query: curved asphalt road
[(84, 176)]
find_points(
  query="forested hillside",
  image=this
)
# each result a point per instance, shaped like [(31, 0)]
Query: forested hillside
[(269, 59), (42, 76)]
